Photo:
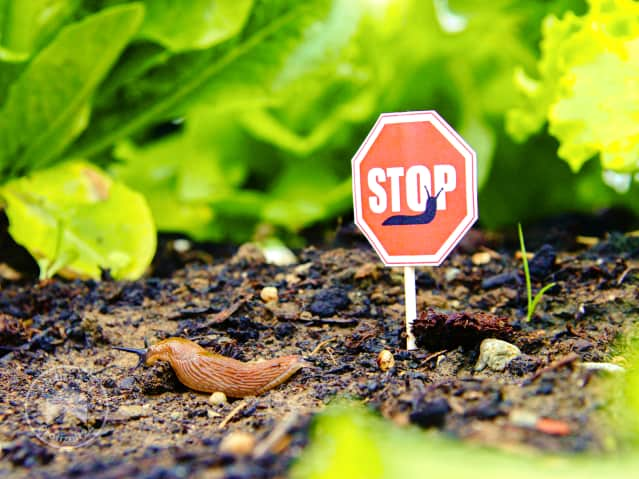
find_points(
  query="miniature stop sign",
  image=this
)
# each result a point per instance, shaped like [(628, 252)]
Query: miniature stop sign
[(414, 188)]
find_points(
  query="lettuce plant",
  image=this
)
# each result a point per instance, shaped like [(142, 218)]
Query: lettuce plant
[(587, 87)]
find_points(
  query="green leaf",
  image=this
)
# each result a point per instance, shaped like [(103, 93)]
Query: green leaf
[(299, 198), (191, 169), (194, 25), (49, 104), (75, 220), (587, 90), (159, 184), (221, 78), (27, 25)]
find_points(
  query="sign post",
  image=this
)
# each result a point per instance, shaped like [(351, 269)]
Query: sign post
[(414, 194)]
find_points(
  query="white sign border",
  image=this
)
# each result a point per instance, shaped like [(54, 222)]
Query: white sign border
[(470, 159)]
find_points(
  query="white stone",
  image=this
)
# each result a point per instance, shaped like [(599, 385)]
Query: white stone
[(218, 398), (269, 294), (496, 354)]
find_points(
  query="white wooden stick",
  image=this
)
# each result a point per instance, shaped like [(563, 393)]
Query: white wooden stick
[(411, 305)]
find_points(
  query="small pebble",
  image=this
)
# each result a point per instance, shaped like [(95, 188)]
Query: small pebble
[(218, 398), (175, 415), (275, 252), (127, 383), (182, 245), (496, 354), (385, 360), (130, 411), (237, 443), (480, 258), (451, 273), (269, 294), (545, 388), (523, 418)]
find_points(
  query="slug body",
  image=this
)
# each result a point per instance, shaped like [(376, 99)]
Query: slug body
[(424, 218), (209, 372)]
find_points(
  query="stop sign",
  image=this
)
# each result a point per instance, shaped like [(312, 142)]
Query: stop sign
[(414, 188)]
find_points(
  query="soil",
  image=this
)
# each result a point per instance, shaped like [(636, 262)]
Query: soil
[(338, 307)]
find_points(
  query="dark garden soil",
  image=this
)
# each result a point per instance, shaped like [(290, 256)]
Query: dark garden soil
[(338, 307)]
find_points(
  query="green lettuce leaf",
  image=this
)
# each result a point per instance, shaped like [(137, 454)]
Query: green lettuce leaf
[(202, 164), (76, 221), (224, 77), (49, 104), (587, 90), (193, 25), (26, 26)]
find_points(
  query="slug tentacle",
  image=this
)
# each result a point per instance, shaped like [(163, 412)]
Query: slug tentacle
[(140, 352), (205, 371)]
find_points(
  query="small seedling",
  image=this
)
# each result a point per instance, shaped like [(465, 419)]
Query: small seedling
[(532, 302)]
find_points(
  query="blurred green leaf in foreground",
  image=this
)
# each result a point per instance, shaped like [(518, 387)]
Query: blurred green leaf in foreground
[(349, 443)]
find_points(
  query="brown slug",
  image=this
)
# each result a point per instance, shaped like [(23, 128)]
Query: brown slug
[(209, 372)]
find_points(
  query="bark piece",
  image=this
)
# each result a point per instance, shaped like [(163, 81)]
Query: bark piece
[(435, 331)]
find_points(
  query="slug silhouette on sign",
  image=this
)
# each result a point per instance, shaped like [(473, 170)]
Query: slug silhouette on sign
[(430, 210)]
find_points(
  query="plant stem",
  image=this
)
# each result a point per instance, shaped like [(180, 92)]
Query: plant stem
[(524, 258)]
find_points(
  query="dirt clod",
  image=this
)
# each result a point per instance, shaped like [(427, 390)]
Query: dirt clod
[(431, 413), (328, 302)]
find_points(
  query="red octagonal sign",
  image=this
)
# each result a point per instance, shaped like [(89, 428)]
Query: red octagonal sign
[(414, 188)]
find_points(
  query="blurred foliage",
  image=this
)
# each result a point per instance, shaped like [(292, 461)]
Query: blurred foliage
[(588, 91), (228, 116), (350, 443)]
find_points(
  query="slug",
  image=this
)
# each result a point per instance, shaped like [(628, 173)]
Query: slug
[(209, 372), (424, 218)]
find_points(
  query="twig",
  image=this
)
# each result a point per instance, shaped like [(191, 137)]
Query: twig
[(267, 444), (433, 356), (232, 414), (559, 363), (625, 273), (227, 313), (330, 353), (321, 345)]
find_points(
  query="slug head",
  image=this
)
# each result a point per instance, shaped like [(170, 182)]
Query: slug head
[(171, 349)]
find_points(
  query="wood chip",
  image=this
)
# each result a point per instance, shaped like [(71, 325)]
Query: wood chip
[(232, 414), (554, 427)]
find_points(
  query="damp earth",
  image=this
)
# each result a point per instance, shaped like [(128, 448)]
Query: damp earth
[(72, 406)]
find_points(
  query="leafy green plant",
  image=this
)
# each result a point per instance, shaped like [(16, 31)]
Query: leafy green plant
[(532, 301), (587, 114), (90, 76)]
